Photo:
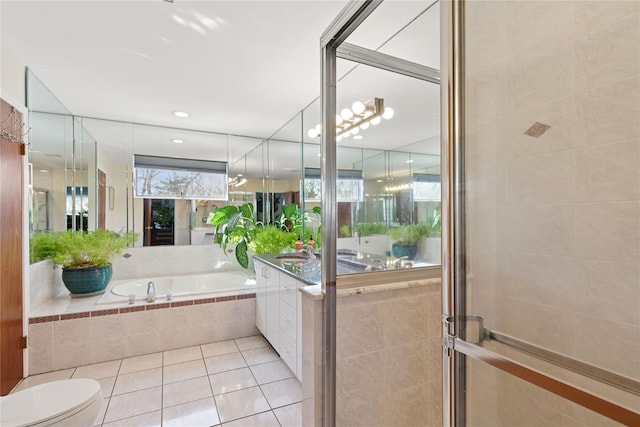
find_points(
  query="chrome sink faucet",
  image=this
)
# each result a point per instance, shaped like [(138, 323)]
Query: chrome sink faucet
[(151, 292), (376, 264), (308, 252)]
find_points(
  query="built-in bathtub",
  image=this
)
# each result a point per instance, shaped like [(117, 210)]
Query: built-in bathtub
[(204, 308), (181, 286)]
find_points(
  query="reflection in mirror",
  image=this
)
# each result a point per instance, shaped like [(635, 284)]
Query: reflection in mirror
[(397, 221)]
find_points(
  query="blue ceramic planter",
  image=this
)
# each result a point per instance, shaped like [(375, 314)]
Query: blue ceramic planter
[(410, 251), (84, 281)]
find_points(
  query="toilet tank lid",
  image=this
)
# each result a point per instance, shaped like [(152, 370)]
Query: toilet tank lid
[(46, 401)]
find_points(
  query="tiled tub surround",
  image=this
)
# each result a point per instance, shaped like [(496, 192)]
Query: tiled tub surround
[(233, 383), (59, 341), (388, 355)]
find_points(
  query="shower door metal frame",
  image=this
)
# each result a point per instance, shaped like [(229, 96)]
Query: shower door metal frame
[(332, 47), (455, 347)]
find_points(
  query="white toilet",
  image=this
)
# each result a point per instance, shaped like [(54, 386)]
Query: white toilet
[(74, 403)]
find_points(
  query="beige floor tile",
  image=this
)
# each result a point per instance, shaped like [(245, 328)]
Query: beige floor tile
[(141, 363), (282, 393), (150, 419), (272, 371), (260, 355), (107, 386), (98, 370), (132, 404), (185, 391), (219, 348), (35, 380), (249, 343), (134, 381), (103, 410), (226, 362), (181, 355), (237, 379), (264, 419), (241, 404), (290, 415), (184, 371), (199, 413)]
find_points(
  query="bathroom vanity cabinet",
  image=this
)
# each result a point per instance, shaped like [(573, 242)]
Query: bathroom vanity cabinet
[(279, 314)]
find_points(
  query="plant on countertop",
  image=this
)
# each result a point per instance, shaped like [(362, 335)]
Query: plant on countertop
[(235, 224), (405, 235), (272, 239)]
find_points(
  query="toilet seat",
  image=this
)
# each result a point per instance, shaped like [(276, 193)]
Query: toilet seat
[(48, 403)]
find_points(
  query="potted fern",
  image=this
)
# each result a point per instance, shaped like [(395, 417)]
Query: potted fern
[(405, 240), (85, 258)]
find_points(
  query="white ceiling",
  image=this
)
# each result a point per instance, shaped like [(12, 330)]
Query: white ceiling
[(238, 67)]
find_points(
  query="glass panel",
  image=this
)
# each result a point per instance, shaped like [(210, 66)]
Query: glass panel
[(552, 193), (385, 227)]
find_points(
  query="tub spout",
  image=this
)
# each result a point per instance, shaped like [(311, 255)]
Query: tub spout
[(151, 292)]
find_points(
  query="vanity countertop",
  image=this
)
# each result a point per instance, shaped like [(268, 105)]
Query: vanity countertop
[(308, 270)]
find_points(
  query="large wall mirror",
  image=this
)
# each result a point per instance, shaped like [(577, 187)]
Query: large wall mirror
[(93, 173)]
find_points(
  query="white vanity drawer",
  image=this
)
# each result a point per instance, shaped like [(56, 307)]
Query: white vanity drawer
[(288, 290), (288, 351), (288, 318)]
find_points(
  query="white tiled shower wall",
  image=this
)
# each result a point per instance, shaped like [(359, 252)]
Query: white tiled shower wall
[(554, 222)]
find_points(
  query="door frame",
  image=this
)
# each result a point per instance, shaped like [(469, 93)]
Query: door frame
[(332, 47), (455, 348)]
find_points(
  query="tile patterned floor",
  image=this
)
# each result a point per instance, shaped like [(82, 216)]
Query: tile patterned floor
[(234, 383)]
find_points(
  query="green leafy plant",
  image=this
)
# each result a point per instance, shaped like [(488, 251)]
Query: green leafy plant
[(80, 249), (408, 234), (345, 231), (235, 224), (371, 228), (272, 239)]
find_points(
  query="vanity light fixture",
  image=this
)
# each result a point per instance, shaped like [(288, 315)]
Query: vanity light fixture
[(181, 114), (358, 117), (177, 141)]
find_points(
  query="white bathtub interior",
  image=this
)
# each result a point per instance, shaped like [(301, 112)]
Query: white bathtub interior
[(216, 284)]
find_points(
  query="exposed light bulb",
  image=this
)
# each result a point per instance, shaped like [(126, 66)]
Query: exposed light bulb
[(319, 128), (346, 134), (346, 113), (312, 133), (338, 119), (388, 113), (367, 113), (364, 126), (376, 120), (358, 107), (355, 131)]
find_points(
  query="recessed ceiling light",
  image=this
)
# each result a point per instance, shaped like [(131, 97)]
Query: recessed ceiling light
[(409, 161), (357, 137), (43, 171), (379, 180), (240, 174), (182, 114), (177, 141)]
